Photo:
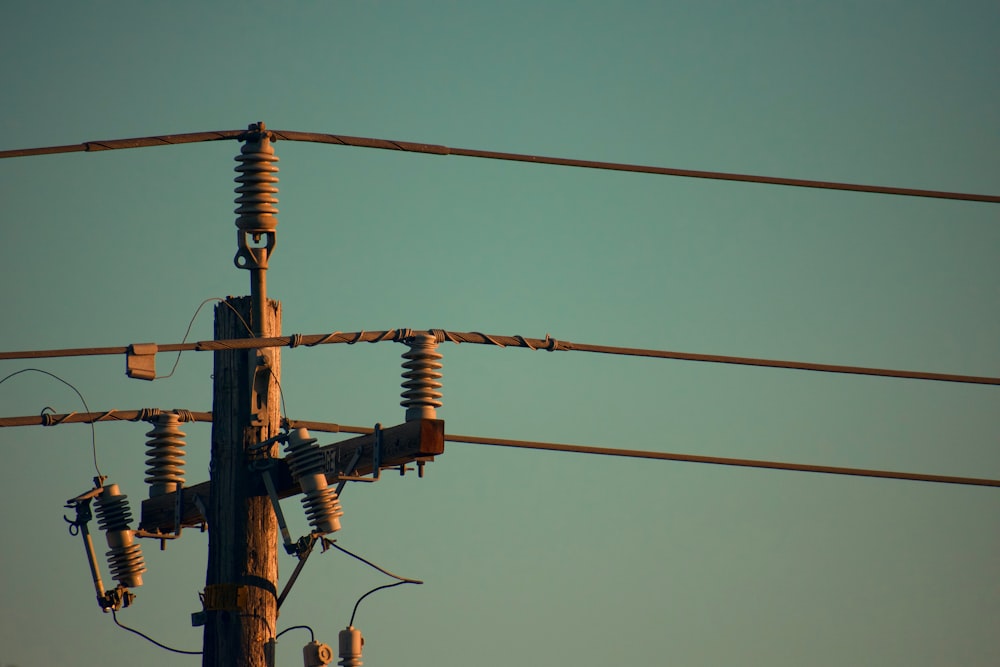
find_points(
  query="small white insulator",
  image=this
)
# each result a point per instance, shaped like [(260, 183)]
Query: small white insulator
[(165, 452), (351, 643), (422, 386), (125, 555), (320, 501)]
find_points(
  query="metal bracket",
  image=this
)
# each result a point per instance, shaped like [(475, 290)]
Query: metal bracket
[(224, 597), (376, 463), (140, 361), (260, 385), (264, 468)]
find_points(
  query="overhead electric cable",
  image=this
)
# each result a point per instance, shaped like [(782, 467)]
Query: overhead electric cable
[(327, 427), (724, 461), (435, 149), (121, 625), (547, 343), (93, 432)]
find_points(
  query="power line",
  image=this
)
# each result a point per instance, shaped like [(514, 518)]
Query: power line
[(327, 427), (121, 625), (93, 432), (719, 460), (548, 343), (435, 149)]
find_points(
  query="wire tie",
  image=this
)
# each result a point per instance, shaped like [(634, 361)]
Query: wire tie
[(295, 340), (185, 415), (47, 416), (447, 335), (53, 421), (488, 338), (325, 339)]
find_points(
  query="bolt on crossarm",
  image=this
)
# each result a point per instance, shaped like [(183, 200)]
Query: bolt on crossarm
[(257, 223)]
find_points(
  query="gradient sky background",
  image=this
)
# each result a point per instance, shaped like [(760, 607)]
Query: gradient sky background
[(533, 558)]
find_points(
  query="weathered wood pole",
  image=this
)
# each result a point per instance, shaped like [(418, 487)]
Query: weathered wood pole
[(241, 594)]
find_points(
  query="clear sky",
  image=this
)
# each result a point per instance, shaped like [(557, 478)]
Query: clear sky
[(532, 558)]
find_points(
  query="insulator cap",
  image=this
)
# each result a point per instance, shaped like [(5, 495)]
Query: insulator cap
[(421, 387)]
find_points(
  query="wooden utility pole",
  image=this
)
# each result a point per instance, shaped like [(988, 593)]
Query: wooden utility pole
[(240, 602), (242, 577), (241, 583)]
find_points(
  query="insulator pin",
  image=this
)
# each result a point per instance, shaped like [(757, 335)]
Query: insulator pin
[(421, 386), (165, 451), (124, 556), (306, 462)]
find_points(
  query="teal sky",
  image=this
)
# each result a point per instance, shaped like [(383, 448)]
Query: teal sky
[(532, 558)]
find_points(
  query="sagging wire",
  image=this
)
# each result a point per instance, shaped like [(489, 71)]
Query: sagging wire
[(187, 333), (121, 625), (93, 431), (402, 580), (239, 317), (374, 590), (312, 635), (250, 331)]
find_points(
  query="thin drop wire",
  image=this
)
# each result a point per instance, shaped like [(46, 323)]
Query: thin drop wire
[(121, 625), (281, 396), (312, 635), (405, 580), (240, 317), (374, 590), (93, 431), (186, 333)]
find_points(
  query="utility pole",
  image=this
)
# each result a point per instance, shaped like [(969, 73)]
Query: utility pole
[(240, 599), (247, 478)]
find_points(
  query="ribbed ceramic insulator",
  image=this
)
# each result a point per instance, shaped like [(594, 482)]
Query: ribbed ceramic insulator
[(124, 556), (306, 462), (165, 452), (304, 457), (258, 186), (421, 387), (321, 506)]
